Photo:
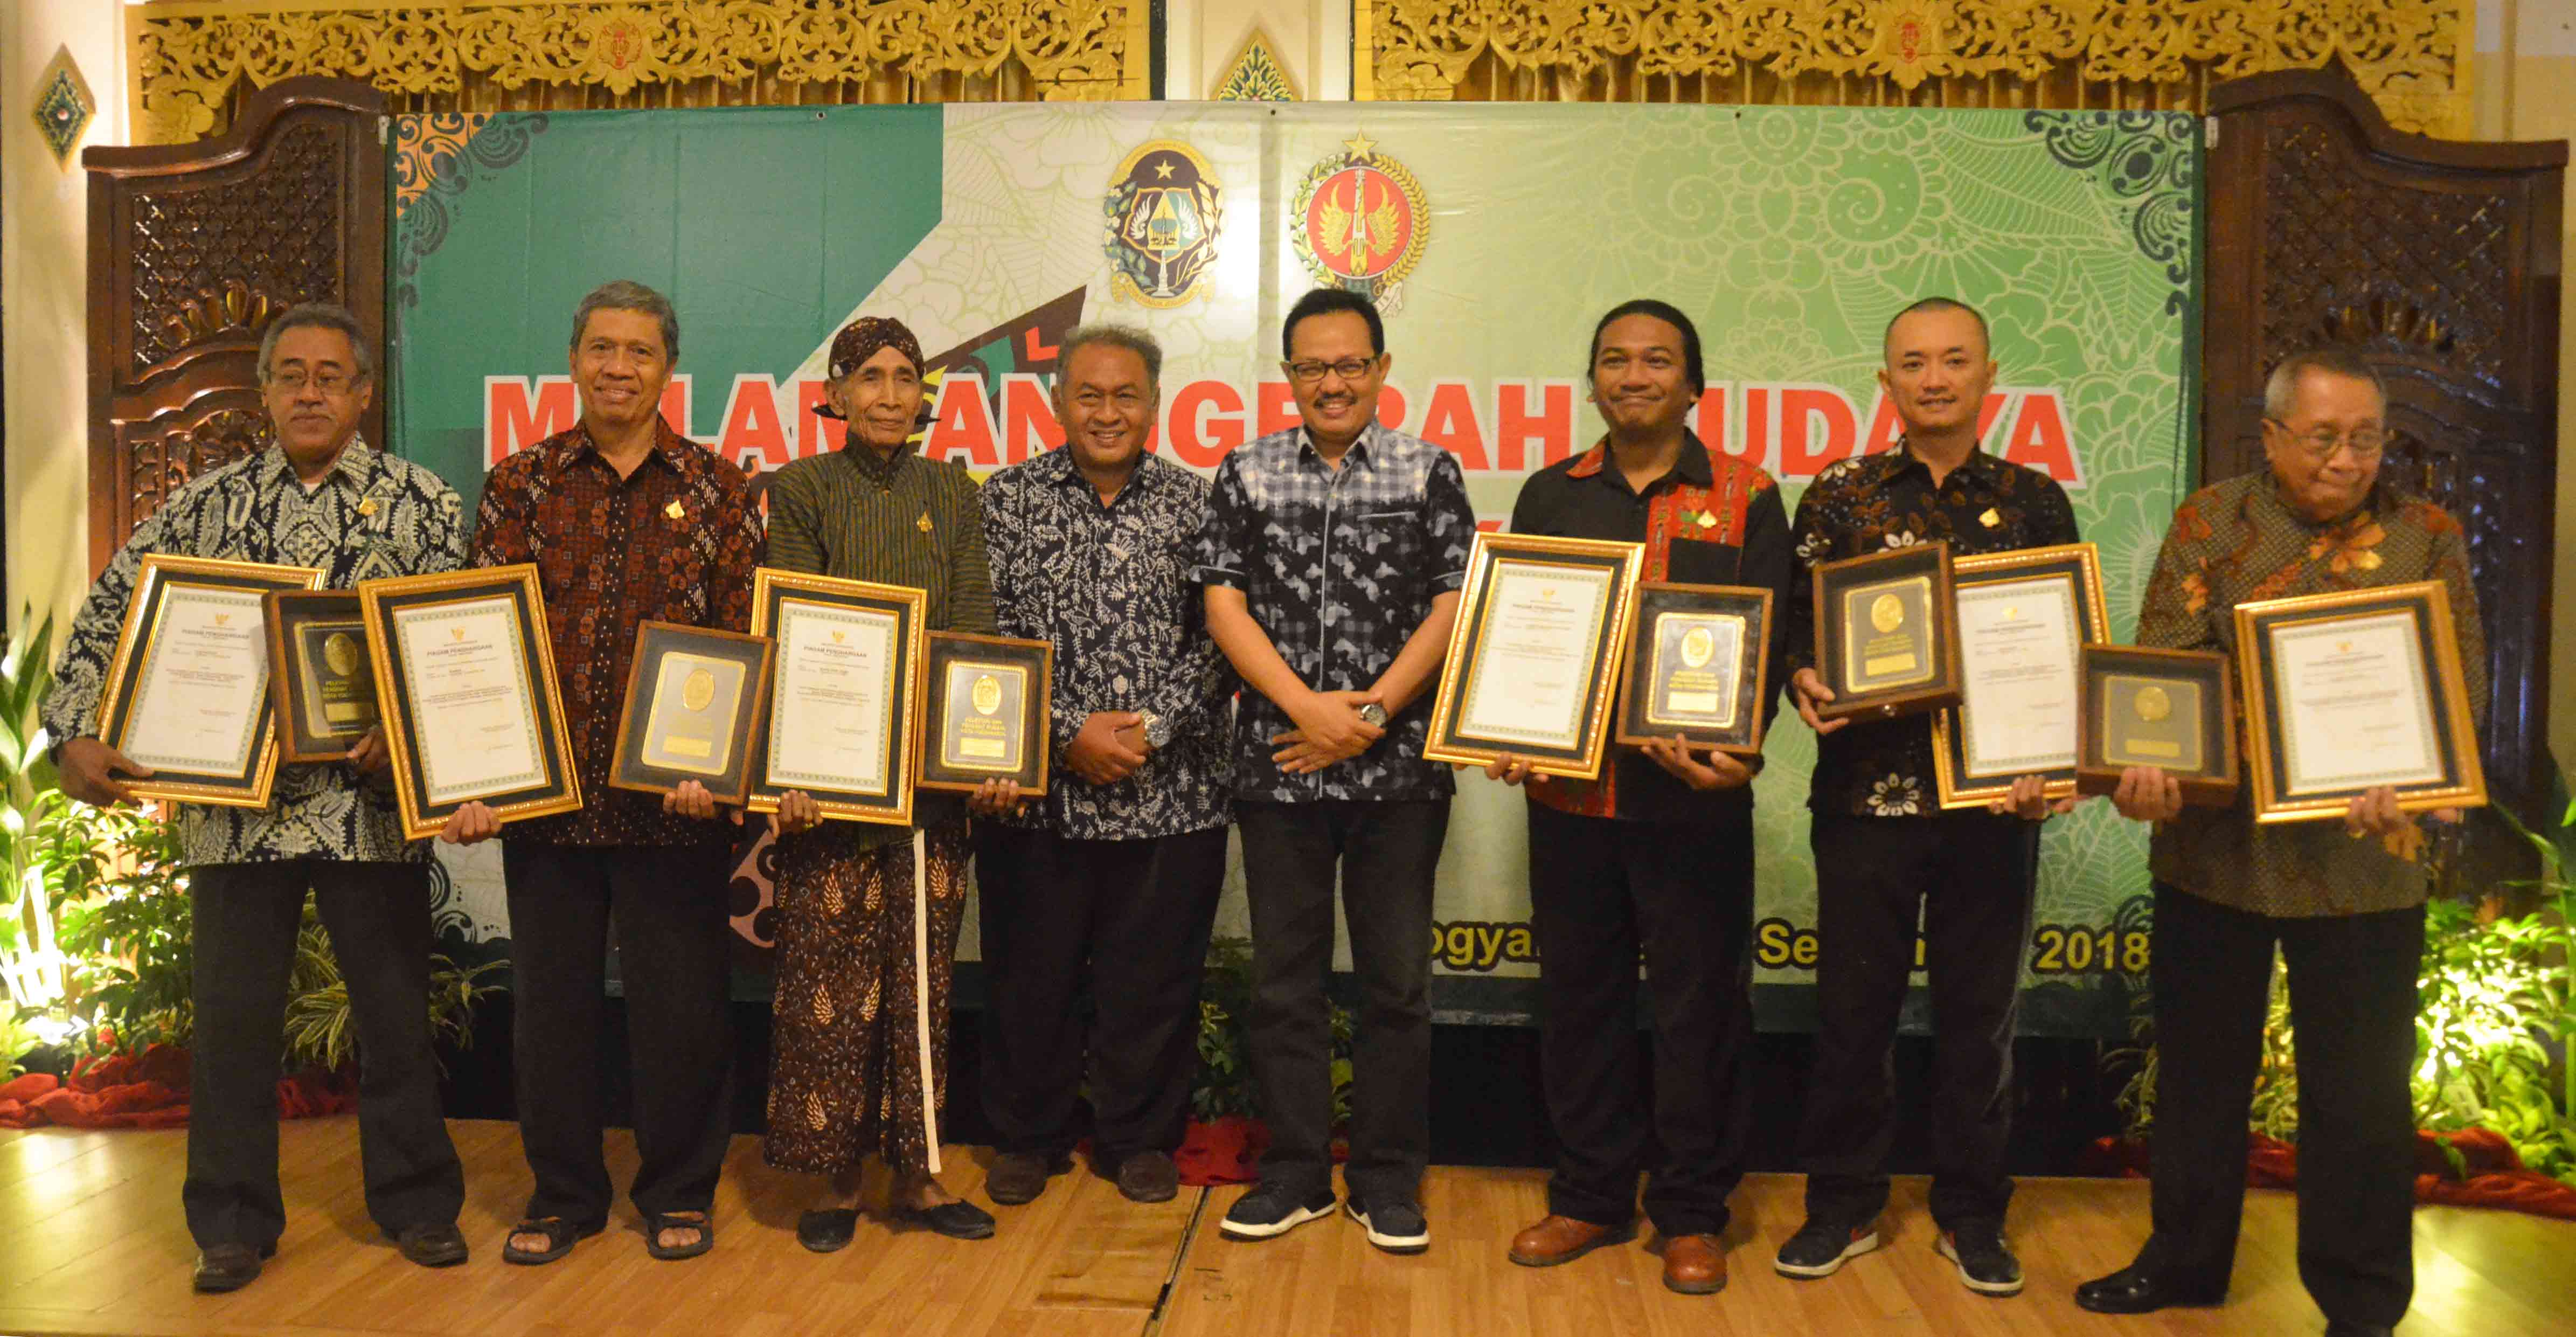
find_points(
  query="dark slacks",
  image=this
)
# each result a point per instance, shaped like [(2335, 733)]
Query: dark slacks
[(1387, 853), (668, 903), (1129, 921), (243, 919), (2352, 1013), (1600, 892), (1967, 878)]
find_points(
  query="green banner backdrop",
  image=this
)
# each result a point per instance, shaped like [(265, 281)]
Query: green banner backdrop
[(1492, 235)]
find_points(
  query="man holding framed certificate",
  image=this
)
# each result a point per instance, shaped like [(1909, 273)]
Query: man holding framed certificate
[(1888, 858), (626, 522), (2342, 900), (1657, 854), (321, 499)]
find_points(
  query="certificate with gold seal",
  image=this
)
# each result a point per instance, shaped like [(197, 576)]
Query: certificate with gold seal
[(988, 716), (1886, 632), (2174, 710), (1534, 657), (2354, 690), (695, 699), (187, 688), (2023, 618), (1698, 666), (321, 677)]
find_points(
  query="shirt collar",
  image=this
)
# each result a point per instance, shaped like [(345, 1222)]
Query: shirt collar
[(1358, 454), (354, 466), (667, 445), (876, 466), (1692, 467), (2371, 502), (1978, 465), (1056, 466)]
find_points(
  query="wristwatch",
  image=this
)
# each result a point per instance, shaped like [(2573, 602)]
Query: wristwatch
[(1373, 714), (1152, 724)]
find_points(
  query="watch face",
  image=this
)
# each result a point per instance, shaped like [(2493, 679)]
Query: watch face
[(1373, 713)]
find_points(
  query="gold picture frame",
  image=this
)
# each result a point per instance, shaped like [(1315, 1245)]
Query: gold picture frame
[(2080, 566), (131, 667), (774, 593), (1459, 732)]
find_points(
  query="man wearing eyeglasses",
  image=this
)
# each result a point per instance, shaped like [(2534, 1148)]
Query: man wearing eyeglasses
[(1332, 555), (2345, 905)]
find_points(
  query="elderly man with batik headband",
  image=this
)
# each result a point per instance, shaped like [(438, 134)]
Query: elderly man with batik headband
[(2343, 902), (319, 497), (846, 1078)]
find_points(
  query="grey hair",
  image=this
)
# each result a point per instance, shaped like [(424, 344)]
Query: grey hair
[(628, 295), (2281, 388), (1116, 336), (317, 316)]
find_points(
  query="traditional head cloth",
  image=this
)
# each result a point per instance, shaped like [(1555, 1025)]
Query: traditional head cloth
[(858, 341)]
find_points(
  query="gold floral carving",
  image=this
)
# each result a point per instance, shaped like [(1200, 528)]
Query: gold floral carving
[(2411, 55), (189, 55)]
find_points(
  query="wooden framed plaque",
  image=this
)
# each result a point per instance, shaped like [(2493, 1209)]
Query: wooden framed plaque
[(2349, 691), (1698, 666), (1886, 642), (988, 712), (465, 683), (695, 699), (321, 680), (187, 689), (1534, 658), (2171, 709), (2023, 618), (844, 694)]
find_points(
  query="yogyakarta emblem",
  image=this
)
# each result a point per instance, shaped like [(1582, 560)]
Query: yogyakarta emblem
[(1360, 221), (1162, 214)]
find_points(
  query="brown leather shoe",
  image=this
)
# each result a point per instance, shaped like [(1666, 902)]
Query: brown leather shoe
[(1562, 1239), (1694, 1265)]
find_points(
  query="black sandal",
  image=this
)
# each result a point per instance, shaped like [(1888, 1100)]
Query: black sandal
[(828, 1229), (959, 1220), (560, 1235), (657, 1222)]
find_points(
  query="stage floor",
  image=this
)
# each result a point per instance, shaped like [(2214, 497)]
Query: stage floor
[(91, 1242)]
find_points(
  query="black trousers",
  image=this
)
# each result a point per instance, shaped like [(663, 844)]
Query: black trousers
[(1600, 892), (1967, 877), (668, 902), (243, 919), (1129, 919), (1386, 853), (2352, 1014)]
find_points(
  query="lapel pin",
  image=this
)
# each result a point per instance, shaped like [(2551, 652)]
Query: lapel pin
[(1991, 518), (923, 524), (366, 506), (675, 510)]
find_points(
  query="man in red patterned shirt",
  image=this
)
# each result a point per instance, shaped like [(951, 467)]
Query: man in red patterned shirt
[(626, 521)]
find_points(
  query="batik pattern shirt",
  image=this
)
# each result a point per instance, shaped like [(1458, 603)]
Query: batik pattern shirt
[(674, 541), (372, 516), (2236, 542), (1339, 567), (1883, 768), (1113, 588)]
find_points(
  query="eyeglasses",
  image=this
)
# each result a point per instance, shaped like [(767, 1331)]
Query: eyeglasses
[(2321, 444), (1349, 369), (329, 382)]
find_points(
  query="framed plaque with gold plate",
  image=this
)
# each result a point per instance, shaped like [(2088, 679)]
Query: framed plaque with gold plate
[(187, 688), (320, 676), (844, 694), (2355, 690), (2024, 618), (1534, 657), (695, 697), (1698, 666), (2171, 709), (1886, 640), (988, 715)]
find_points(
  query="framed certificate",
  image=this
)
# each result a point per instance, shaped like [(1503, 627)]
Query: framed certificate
[(989, 711), (1534, 658), (695, 698), (187, 690), (1698, 666), (1885, 641), (2349, 691), (2171, 709), (2023, 618), (320, 679), (844, 696), (465, 681)]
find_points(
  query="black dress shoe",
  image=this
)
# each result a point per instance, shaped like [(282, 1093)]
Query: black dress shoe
[(956, 1220), (2133, 1290), (829, 1230), (229, 1267), (2345, 1328), (433, 1246)]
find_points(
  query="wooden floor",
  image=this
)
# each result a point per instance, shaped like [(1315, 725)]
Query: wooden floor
[(91, 1242)]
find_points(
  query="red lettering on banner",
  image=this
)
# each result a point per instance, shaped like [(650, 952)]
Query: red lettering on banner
[(1205, 421), (1028, 420), (1709, 420), (2039, 438), (1992, 409), (513, 420), (675, 404), (1758, 426), (1277, 408), (1885, 428), (1450, 423), (1516, 425), (964, 421), (1801, 454), (1390, 407), (752, 425), (816, 434)]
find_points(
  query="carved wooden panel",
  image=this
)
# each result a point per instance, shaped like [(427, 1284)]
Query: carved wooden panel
[(194, 248), (2438, 262)]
